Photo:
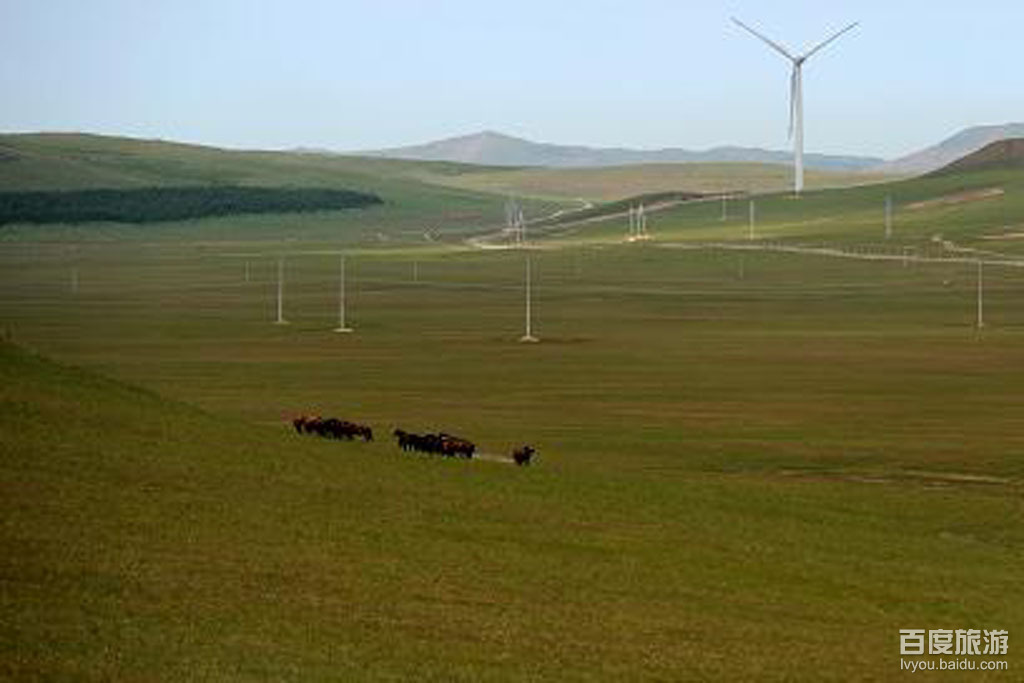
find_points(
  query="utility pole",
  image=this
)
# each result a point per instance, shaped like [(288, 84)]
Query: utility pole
[(888, 216), (750, 236), (528, 337), (981, 296), (280, 292), (342, 327)]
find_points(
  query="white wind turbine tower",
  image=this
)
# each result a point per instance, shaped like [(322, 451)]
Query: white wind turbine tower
[(796, 97)]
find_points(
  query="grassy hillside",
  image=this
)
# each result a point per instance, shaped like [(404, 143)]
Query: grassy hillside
[(413, 210), (717, 496), (423, 201), (1006, 153), (982, 208), (619, 182), (64, 161)]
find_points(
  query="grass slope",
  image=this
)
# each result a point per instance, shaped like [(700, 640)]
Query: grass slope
[(619, 182), (980, 208), (146, 540), (1006, 153), (65, 161), (412, 207)]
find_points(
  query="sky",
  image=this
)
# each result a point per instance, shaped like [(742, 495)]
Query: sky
[(366, 74)]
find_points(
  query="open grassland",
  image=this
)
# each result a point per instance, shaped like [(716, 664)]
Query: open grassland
[(755, 466), (982, 210), (152, 541), (55, 161), (619, 182)]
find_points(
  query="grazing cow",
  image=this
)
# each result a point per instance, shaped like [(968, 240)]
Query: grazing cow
[(345, 430), (523, 455), (453, 446), (331, 428), (432, 443), (404, 439), (327, 428), (312, 425), (299, 423)]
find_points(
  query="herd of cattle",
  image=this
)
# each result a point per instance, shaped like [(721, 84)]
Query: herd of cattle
[(331, 428), (434, 444)]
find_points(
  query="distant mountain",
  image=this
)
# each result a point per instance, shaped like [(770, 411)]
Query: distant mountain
[(495, 149), (1007, 153), (956, 147)]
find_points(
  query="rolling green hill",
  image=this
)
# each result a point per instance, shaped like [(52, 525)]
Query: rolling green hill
[(978, 206), (620, 182), (65, 161), (422, 200), (413, 208), (1006, 153)]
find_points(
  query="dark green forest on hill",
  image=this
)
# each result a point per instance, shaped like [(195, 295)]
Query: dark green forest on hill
[(155, 204)]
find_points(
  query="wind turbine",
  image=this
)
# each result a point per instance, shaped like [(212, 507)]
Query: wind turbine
[(796, 97)]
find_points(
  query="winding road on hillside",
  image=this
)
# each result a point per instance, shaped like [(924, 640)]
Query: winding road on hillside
[(498, 239), (951, 252)]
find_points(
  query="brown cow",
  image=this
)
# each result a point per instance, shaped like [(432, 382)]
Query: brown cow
[(523, 455)]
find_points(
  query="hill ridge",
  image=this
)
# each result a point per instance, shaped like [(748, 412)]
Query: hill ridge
[(956, 146), (1006, 153), (499, 149)]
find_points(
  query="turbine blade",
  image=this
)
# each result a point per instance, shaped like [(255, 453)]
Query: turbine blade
[(829, 40), (771, 43)]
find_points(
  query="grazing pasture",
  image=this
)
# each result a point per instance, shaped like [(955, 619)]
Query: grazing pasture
[(615, 183), (754, 465)]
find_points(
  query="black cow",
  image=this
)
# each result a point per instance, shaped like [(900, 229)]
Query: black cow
[(523, 455), (405, 439), (300, 423)]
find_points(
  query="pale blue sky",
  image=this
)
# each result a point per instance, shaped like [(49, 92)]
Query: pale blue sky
[(356, 74)]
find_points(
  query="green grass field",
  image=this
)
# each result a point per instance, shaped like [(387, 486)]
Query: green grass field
[(982, 209), (753, 465), (620, 182)]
